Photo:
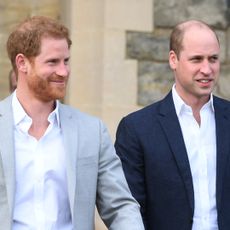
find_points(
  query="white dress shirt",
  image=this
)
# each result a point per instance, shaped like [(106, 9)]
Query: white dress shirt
[(200, 142), (41, 199)]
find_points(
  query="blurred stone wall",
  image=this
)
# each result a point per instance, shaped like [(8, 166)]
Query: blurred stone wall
[(12, 12), (155, 78)]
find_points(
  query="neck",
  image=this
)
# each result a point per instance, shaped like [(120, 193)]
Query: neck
[(38, 111)]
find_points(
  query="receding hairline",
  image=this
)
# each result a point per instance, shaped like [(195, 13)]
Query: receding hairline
[(178, 33), (185, 26)]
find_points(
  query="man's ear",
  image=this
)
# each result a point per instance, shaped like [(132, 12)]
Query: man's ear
[(21, 63), (173, 60)]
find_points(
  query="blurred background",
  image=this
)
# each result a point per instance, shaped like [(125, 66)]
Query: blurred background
[(119, 57)]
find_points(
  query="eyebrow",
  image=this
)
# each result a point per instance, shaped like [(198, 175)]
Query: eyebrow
[(202, 56)]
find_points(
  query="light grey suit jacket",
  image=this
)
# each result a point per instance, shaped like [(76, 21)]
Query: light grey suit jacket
[(94, 172)]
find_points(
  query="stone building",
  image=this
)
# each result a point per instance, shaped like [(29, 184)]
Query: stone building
[(120, 49), (150, 49)]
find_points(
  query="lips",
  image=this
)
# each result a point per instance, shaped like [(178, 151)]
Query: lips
[(205, 83), (204, 80), (57, 80)]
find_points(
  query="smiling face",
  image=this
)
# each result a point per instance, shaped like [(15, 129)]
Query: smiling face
[(47, 73), (196, 70)]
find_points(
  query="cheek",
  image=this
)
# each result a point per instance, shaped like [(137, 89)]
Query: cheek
[(216, 69), (186, 69), (191, 69)]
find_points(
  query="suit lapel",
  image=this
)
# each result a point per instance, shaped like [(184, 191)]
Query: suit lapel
[(69, 130), (222, 117), (7, 149), (170, 124)]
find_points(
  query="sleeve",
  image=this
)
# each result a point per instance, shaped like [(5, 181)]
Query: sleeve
[(129, 149), (116, 206)]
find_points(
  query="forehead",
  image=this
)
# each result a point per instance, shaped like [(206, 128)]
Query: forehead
[(50, 46), (52, 42), (202, 39)]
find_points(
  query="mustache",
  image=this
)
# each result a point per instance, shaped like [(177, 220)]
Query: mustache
[(55, 77)]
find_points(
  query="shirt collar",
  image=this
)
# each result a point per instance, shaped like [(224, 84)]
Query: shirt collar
[(181, 106), (20, 114)]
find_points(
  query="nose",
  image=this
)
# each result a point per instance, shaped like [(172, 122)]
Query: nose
[(63, 70), (206, 67)]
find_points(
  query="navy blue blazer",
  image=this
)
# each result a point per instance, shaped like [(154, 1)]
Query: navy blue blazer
[(152, 150)]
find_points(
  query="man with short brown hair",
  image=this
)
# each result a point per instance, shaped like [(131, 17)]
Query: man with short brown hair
[(175, 152)]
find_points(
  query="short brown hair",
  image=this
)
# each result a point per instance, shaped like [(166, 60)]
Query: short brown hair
[(27, 36), (177, 35)]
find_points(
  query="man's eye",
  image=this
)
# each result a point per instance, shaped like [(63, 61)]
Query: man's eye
[(214, 59), (66, 61), (196, 59), (52, 61)]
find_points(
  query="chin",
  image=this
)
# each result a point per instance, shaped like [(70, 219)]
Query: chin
[(52, 97), (58, 94)]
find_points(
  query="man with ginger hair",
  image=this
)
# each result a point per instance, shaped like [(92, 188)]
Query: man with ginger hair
[(56, 163), (176, 152)]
